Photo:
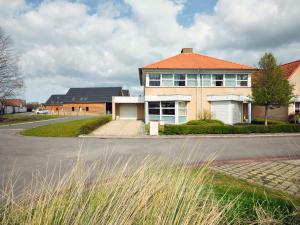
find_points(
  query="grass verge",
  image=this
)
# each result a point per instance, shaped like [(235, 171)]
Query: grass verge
[(150, 194), (68, 129), (22, 118)]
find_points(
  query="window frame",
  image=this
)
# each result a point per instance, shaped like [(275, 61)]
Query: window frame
[(167, 79), (179, 80), (240, 80), (154, 80), (233, 79), (214, 81), (189, 79)]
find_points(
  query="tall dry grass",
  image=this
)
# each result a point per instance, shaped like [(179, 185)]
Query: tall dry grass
[(88, 195)]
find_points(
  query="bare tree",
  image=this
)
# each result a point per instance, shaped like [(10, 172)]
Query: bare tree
[(11, 81)]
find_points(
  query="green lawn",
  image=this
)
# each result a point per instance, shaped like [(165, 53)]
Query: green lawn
[(21, 118), (68, 129)]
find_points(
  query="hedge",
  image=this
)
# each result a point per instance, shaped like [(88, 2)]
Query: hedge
[(89, 127), (228, 129)]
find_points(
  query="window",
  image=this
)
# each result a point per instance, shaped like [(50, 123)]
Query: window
[(56, 109), (297, 107), (182, 112), (87, 109), (154, 79), (217, 80), (154, 111), (230, 80), (179, 80), (206, 80), (73, 108), (192, 80), (242, 80), (167, 80), (168, 112)]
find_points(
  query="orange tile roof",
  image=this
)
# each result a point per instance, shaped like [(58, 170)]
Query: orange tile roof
[(14, 102), (195, 61), (290, 68)]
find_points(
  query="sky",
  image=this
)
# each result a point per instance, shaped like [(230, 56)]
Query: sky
[(86, 43)]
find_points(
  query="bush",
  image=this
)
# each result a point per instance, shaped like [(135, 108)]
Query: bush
[(270, 122), (89, 127), (228, 129), (205, 122)]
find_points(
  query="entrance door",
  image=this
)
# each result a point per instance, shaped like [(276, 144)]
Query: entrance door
[(128, 111)]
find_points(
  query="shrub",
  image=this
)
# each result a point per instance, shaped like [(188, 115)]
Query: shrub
[(89, 127), (205, 122), (270, 122), (228, 129)]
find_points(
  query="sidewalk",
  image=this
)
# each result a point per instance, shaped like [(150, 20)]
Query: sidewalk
[(282, 175)]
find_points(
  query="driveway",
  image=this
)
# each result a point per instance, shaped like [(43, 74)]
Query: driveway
[(121, 128)]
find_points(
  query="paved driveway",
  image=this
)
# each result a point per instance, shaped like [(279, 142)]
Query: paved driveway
[(121, 128)]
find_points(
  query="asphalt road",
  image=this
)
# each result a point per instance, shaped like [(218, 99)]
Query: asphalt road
[(27, 155)]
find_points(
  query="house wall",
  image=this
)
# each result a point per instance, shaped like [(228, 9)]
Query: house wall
[(53, 107), (99, 108), (295, 80), (275, 113), (199, 103)]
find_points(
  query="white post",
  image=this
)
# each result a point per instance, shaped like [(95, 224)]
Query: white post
[(249, 113), (146, 113), (176, 112)]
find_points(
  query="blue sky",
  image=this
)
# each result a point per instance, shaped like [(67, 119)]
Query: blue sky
[(85, 43)]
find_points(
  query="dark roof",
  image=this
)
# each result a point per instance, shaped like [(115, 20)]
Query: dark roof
[(125, 93), (92, 94), (55, 100)]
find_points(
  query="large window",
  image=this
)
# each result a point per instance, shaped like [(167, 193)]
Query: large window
[(217, 80), (230, 80), (182, 112), (242, 80), (167, 80), (154, 111), (297, 107), (192, 80), (179, 79), (154, 79), (206, 80), (168, 112)]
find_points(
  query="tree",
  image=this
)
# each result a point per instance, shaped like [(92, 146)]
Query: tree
[(11, 81), (270, 86)]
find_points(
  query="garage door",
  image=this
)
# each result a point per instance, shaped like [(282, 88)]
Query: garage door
[(128, 111), (220, 111)]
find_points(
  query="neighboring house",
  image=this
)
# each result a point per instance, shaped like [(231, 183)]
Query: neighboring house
[(292, 73), (14, 106), (54, 103), (189, 86), (91, 100)]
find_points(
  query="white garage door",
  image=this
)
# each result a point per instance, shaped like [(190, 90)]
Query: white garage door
[(220, 111), (128, 111), (229, 112)]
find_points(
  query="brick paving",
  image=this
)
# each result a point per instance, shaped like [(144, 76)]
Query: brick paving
[(282, 175)]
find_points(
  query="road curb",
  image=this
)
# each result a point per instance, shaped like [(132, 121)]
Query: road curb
[(225, 136)]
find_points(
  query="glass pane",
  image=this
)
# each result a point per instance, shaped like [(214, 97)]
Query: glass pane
[(167, 83), (230, 76), (154, 83), (230, 83), (182, 104), (153, 105), (154, 76), (168, 111), (242, 77), (167, 76), (242, 83), (206, 83), (179, 83), (168, 104), (217, 83), (192, 83), (169, 119), (192, 76), (182, 112), (154, 118), (217, 76), (153, 111), (179, 76)]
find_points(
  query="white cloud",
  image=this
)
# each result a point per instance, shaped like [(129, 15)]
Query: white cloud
[(66, 44)]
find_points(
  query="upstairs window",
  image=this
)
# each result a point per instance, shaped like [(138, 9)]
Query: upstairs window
[(179, 80), (192, 80), (242, 80), (167, 80), (230, 80), (154, 79), (217, 80), (297, 108), (206, 80)]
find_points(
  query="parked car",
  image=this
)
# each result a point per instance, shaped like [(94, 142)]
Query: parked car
[(41, 111)]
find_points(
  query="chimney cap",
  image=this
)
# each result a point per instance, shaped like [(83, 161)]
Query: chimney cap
[(187, 50)]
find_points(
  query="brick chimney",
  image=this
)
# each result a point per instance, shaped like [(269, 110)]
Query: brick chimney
[(187, 50)]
